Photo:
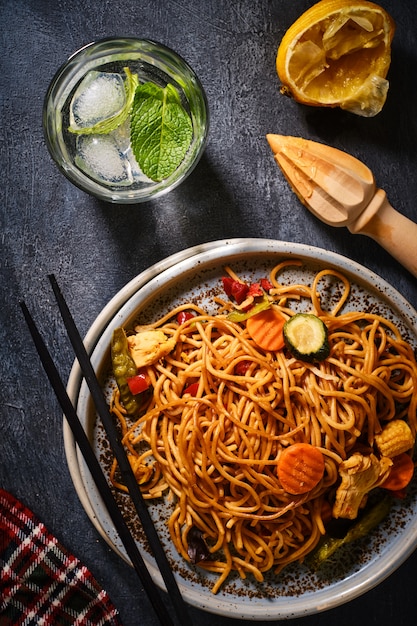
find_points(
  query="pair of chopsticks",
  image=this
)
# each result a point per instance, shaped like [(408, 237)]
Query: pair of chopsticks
[(178, 603)]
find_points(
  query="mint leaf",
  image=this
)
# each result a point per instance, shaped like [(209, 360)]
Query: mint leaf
[(111, 123), (160, 130)]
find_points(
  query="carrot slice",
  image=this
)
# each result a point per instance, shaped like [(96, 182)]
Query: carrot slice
[(300, 468), (401, 473), (265, 328)]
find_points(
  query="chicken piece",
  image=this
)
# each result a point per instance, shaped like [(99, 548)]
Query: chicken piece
[(359, 475), (148, 346)]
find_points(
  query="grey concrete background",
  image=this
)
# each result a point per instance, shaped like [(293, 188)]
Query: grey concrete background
[(49, 226)]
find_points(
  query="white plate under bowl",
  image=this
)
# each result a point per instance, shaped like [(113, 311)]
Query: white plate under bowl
[(195, 273)]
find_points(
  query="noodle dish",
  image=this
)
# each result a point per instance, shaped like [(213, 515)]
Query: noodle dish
[(268, 408)]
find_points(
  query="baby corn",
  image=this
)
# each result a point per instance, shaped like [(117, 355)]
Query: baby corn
[(395, 438)]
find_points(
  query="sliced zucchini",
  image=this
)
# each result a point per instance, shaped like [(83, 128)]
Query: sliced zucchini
[(306, 337)]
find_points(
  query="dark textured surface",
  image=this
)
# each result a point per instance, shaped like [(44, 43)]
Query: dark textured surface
[(47, 225)]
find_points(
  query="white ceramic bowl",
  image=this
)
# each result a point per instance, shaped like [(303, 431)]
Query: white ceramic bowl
[(297, 591)]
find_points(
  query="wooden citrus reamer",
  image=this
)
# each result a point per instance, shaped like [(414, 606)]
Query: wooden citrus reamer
[(341, 191)]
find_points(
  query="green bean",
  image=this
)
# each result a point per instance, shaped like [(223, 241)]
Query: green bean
[(360, 529), (241, 316), (123, 368)]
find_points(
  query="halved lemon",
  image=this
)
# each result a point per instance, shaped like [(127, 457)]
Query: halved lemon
[(337, 54)]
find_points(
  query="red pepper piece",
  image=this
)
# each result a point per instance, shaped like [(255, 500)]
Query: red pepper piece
[(255, 290), (227, 285), (138, 383), (184, 316), (191, 389), (242, 367), (235, 289), (239, 291), (266, 284)]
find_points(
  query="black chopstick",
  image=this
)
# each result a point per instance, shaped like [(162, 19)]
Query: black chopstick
[(97, 473), (128, 476)]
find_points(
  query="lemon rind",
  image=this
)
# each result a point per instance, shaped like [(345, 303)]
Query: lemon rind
[(375, 81)]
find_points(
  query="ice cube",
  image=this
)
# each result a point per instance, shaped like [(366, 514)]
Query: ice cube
[(100, 95), (100, 157)]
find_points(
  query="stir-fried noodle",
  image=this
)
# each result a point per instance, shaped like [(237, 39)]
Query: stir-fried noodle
[(216, 451)]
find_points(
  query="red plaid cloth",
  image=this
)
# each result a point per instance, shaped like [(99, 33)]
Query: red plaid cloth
[(41, 584)]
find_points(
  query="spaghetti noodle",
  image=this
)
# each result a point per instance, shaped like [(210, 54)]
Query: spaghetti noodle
[(216, 451)]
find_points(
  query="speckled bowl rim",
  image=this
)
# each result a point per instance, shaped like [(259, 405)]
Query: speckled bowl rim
[(399, 546)]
